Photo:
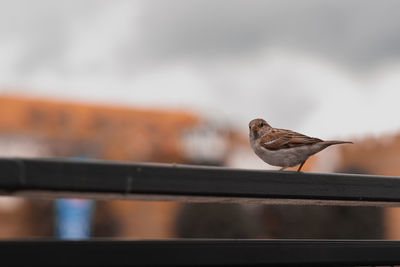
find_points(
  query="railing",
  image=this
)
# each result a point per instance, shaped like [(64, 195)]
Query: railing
[(114, 180)]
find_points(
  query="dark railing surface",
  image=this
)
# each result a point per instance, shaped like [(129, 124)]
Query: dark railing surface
[(105, 180), (201, 253), (100, 179)]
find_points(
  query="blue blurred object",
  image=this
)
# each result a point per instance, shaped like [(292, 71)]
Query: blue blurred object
[(74, 218)]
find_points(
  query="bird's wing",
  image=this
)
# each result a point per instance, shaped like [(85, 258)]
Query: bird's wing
[(280, 138)]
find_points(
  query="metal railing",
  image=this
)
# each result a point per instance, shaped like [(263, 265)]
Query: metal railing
[(118, 180)]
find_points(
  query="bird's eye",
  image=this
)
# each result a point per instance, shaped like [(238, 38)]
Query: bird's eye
[(262, 124)]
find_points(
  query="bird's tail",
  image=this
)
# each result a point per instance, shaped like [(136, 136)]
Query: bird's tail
[(329, 143)]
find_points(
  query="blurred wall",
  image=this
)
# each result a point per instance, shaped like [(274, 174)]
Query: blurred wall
[(47, 128)]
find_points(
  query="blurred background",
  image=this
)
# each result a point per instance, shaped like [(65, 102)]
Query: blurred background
[(177, 81)]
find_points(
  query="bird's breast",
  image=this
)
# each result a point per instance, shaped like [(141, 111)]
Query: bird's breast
[(287, 157)]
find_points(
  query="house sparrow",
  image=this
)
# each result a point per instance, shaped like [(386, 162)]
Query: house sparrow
[(284, 148)]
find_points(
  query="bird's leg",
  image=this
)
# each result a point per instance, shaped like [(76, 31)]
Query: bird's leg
[(301, 165)]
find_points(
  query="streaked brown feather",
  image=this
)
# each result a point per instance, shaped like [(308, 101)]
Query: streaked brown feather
[(281, 138)]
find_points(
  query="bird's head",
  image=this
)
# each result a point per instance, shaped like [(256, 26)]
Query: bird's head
[(258, 127)]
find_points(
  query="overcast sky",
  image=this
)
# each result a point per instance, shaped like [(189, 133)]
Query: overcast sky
[(325, 68)]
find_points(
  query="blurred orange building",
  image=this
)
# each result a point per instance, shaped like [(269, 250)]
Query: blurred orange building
[(380, 156), (82, 130), (40, 128), (370, 155)]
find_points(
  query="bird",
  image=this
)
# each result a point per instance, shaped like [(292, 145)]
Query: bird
[(284, 148)]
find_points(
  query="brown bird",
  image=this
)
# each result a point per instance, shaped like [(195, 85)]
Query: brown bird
[(284, 148)]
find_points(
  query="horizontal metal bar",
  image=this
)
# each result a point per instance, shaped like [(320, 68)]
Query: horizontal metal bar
[(200, 253), (99, 179)]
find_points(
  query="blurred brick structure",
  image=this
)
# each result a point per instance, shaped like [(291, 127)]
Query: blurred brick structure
[(81, 130), (370, 155), (377, 156), (374, 155), (36, 128)]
